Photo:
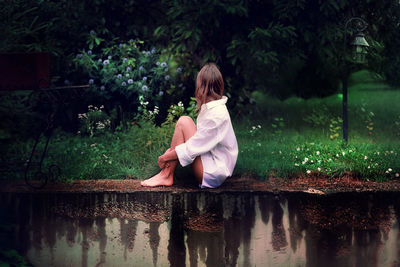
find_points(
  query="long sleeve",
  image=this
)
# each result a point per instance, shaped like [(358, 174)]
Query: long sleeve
[(205, 139)]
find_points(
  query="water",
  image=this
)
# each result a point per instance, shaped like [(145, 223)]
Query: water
[(205, 229)]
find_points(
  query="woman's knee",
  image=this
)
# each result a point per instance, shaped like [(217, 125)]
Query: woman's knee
[(187, 126), (184, 121)]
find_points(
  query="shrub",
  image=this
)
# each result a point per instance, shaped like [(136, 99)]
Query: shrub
[(120, 74), (94, 122)]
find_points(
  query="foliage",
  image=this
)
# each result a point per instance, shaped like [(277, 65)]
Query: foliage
[(277, 125), (23, 29), (318, 117), (94, 122), (10, 257), (367, 117), (279, 47), (397, 125), (120, 74), (176, 111), (335, 127)]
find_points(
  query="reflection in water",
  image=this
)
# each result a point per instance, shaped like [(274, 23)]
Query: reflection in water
[(176, 244), (205, 229)]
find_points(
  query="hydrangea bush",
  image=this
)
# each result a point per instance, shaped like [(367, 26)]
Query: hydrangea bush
[(121, 74)]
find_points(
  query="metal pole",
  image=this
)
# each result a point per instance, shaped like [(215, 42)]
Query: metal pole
[(346, 73), (345, 120)]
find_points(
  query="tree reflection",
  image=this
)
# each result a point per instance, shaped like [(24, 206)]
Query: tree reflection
[(204, 230), (278, 235), (102, 236), (176, 244), (345, 230), (296, 222), (154, 240), (220, 229)]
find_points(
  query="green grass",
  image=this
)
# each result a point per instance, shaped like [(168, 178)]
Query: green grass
[(308, 126), (295, 137)]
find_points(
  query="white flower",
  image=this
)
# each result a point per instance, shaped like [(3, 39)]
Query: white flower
[(254, 127), (386, 172), (258, 144), (312, 161), (308, 171), (259, 126), (317, 153), (296, 164), (390, 169), (369, 167), (377, 153), (337, 155), (350, 151), (298, 149), (343, 153), (397, 174), (319, 169), (305, 159), (365, 157)]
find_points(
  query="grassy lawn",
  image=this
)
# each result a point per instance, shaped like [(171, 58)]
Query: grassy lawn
[(305, 136), (281, 138)]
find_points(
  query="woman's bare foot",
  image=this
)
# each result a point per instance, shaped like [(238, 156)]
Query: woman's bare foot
[(162, 178)]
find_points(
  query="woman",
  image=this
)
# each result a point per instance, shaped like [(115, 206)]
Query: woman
[(211, 147)]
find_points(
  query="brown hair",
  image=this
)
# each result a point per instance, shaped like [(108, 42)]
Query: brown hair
[(209, 83)]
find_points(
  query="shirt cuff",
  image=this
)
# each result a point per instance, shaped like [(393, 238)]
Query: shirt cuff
[(183, 156)]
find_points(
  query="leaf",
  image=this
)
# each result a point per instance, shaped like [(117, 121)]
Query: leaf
[(98, 40)]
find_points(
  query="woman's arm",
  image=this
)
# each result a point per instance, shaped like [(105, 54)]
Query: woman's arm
[(204, 140)]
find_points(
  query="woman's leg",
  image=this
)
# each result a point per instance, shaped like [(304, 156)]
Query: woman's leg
[(184, 129)]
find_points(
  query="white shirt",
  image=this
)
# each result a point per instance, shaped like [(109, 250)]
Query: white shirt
[(214, 141)]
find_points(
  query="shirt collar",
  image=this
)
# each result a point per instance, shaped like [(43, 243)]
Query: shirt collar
[(218, 102)]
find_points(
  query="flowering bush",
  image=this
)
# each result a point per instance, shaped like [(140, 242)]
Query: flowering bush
[(123, 73), (144, 113), (94, 122), (178, 110)]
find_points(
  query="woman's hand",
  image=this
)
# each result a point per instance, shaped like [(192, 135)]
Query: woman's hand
[(161, 162)]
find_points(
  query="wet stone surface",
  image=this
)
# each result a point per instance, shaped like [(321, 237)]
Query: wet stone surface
[(204, 229)]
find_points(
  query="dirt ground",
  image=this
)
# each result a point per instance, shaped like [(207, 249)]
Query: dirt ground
[(312, 185)]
